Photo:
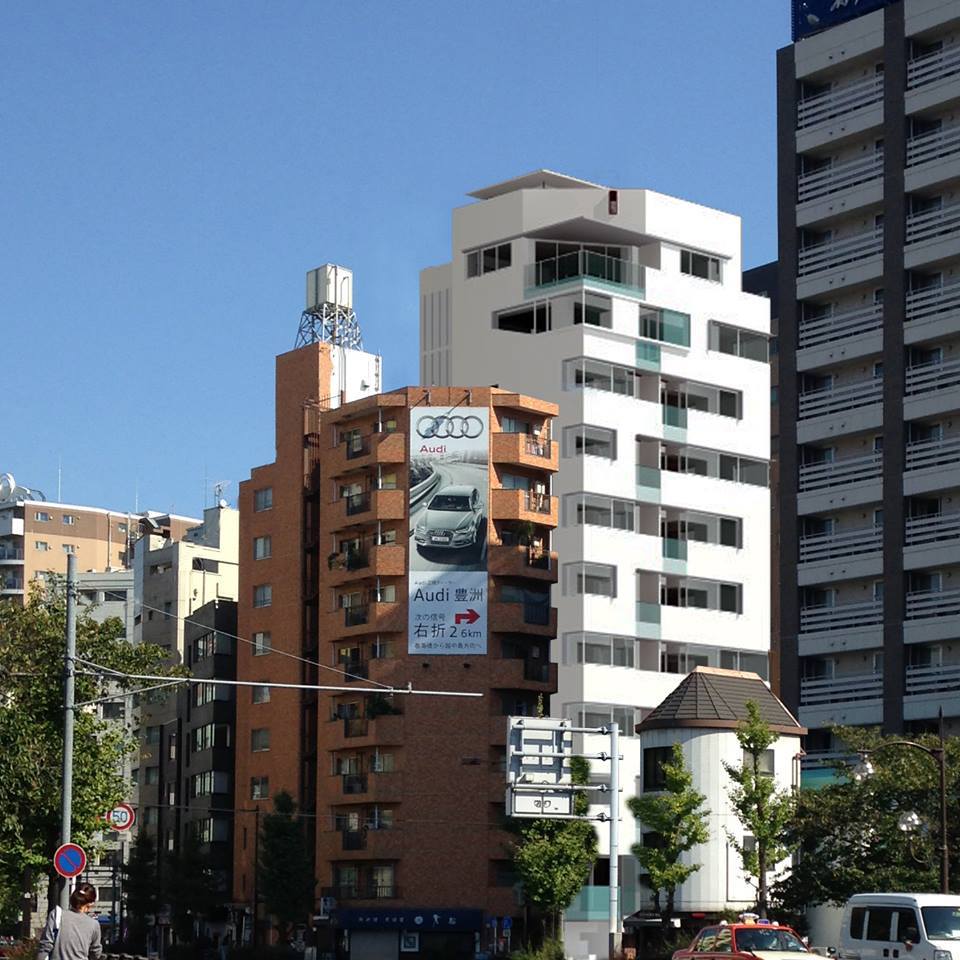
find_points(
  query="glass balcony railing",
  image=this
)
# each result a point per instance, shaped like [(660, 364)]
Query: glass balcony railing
[(584, 264), (11, 553), (674, 416), (673, 549)]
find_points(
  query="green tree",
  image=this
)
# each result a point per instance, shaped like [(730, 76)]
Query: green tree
[(31, 728), (140, 890), (848, 831), (764, 811), (286, 878), (679, 822), (554, 857), (189, 886)]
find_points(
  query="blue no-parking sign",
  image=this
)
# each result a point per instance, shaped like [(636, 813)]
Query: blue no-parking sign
[(70, 860)]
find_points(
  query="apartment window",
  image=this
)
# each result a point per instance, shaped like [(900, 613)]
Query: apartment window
[(261, 694), (260, 740), (263, 595), (489, 259), (724, 338), (602, 714), (69, 519), (700, 265), (41, 545), (713, 463), (262, 548), (599, 579), (667, 326), (262, 499), (69, 548), (210, 735), (596, 312), (532, 319), (41, 516), (765, 762), (259, 788), (151, 735), (121, 528), (584, 373), (585, 440), (595, 510), (603, 649), (654, 777), (262, 643), (151, 776)]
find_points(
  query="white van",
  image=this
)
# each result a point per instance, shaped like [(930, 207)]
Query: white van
[(901, 926)]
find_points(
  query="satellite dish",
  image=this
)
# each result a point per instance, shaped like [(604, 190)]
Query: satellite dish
[(7, 486), (223, 504)]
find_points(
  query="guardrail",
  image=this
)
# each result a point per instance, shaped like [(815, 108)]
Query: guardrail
[(840, 176), (929, 377), (833, 546), (836, 253), (941, 678), (933, 66), (923, 454), (822, 476), (942, 526), (930, 301), (848, 396), (838, 326), (839, 101), (851, 689), (935, 145), (841, 616), (922, 604), (932, 224)]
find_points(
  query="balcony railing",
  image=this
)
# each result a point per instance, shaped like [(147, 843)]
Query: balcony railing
[(933, 66), (536, 671), (851, 689), (931, 301), (355, 726), (942, 526), (923, 604), (537, 614), (354, 839), (940, 678), (838, 326), (839, 101), (933, 223), (839, 399), (356, 615), (841, 616), (538, 448), (935, 145), (11, 583), (835, 473), (355, 669), (836, 253), (834, 546), (539, 502), (10, 553), (354, 783), (357, 447), (841, 176), (584, 264), (358, 503), (923, 454), (930, 377)]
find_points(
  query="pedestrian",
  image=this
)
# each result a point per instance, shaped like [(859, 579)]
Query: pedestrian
[(73, 935)]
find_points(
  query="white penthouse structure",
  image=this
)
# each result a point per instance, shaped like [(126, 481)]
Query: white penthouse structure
[(626, 308)]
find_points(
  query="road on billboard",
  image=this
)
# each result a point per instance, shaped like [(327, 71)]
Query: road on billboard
[(451, 474)]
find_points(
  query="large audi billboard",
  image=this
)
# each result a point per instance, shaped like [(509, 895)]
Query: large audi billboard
[(449, 507)]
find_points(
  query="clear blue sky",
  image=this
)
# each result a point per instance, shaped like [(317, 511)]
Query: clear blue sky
[(168, 173)]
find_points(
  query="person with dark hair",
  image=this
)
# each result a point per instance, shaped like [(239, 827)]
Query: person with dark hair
[(73, 935)]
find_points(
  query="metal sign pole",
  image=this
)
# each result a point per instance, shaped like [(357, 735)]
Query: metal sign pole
[(616, 928), (66, 805)]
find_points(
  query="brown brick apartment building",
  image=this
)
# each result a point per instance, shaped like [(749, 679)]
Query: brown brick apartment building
[(404, 794)]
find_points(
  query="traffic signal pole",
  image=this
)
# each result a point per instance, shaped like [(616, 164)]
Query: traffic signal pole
[(69, 673)]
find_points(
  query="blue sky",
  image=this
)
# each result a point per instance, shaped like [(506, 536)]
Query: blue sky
[(169, 172)]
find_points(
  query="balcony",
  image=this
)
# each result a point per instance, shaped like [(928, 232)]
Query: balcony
[(354, 783), (523, 617), (921, 531), (933, 66), (354, 616), (829, 254), (932, 224), (357, 503), (539, 508), (931, 377), (840, 399), (849, 689), (355, 727), (842, 616), (933, 679), (10, 553), (815, 331), (840, 176), (924, 454), (932, 303), (11, 585), (839, 101), (936, 145), (837, 546), (383, 560), (515, 673), (524, 450), (363, 508), (365, 891), (521, 561), (584, 265), (923, 604), (840, 472), (356, 452)]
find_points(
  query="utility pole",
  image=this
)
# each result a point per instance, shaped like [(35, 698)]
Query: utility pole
[(69, 668), (616, 920)]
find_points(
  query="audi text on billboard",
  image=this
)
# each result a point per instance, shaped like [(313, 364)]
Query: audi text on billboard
[(449, 507)]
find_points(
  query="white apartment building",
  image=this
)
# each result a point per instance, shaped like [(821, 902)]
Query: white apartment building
[(625, 307)]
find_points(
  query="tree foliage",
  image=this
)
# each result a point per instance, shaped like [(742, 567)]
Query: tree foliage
[(31, 728), (676, 816), (848, 832), (554, 857), (140, 889), (286, 878), (189, 886), (764, 811)]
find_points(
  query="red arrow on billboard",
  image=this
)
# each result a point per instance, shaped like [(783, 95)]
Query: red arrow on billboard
[(471, 616)]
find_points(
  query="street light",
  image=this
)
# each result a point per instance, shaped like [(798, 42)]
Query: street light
[(865, 769)]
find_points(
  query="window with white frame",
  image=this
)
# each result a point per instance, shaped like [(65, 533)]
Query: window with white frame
[(701, 265), (69, 519), (262, 643), (587, 440), (41, 545), (260, 740), (259, 788), (262, 499), (599, 579), (41, 516), (263, 595), (260, 694), (262, 547)]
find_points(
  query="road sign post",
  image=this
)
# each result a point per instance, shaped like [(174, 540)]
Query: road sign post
[(69, 668)]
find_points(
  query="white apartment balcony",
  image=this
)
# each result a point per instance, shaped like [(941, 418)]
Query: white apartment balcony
[(933, 66), (840, 399), (931, 312), (840, 176), (934, 679), (935, 458), (11, 526), (932, 388), (830, 254), (927, 530), (853, 688), (925, 604), (841, 616), (838, 546), (839, 101), (936, 145), (932, 224), (815, 332), (840, 472)]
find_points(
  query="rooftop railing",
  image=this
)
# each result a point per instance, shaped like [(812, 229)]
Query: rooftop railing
[(584, 264)]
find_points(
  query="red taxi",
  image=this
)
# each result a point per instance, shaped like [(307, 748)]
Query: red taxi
[(744, 941)]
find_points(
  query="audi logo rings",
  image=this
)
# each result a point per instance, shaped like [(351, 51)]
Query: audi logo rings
[(455, 427)]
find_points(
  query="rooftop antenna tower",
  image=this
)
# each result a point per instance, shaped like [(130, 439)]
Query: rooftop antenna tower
[(329, 316)]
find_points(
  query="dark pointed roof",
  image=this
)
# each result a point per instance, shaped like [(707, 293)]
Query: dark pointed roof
[(709, 697)]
